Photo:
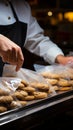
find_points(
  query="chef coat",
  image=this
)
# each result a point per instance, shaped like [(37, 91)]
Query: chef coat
[(34, 41)]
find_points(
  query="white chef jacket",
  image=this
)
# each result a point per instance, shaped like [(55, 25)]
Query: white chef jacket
[(35, 41)]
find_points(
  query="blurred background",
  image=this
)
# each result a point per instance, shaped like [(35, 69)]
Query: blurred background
[(56, 18)]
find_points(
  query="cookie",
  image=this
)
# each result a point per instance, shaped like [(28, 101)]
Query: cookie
[(24, 82), (16, 104), (3, 92), (52, 81), (40, 95), (41, 86), (20, 95), (29, 98), (64, 83), (65, 88), (50, 75), (21, 86), (71, 82), (6, 99), (3, 109), (29, 89)]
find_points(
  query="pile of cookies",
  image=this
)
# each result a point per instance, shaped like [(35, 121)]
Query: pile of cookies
[(22, 96), (31, 91), (60, 80), (27, 92)]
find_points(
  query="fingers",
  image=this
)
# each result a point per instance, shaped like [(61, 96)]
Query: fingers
[(10, 52), (20, 60), (14, 57)]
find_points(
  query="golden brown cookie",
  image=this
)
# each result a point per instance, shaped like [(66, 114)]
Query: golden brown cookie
[(40, 95), (23, 103), (16, 104), (20, 95), (29, 98), (55, 87), (71, 82), (33, 84), (3, 109), (3, 92), (24, 82), (21, 86), (52, 81), (29, 89), (64, 83), (41, 86), (50, 75), (65, 88), (24, 93), (71, 76), (6, 99)]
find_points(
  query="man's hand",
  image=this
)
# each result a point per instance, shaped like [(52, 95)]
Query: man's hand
[(10, 52), (64, 60)]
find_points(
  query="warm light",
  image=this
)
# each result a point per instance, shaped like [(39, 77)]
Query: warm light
[(54, 21), (60, 16), (49, 13), (69, 16)]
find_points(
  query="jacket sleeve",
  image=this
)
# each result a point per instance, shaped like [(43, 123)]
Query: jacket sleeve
[(38, 43)]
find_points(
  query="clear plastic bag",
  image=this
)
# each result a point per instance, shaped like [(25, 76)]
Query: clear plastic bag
[(28, 75), (9, 83), (62, 73)]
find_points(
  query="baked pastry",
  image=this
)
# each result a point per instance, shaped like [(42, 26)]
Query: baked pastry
[(29, 97), (65, 88), (52, 81), (3, 92), (40, 95), (20, 95), (41, 86), (3, 109), (21, 86), (24, 82), (71, 82), (16, 104), (64, 83), (29, 89), (50, 75), (6, 99)]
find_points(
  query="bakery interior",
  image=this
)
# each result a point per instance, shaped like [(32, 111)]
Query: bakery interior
[(56, 18)]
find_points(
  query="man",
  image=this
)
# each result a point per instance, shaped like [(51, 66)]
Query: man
[(18, 24)]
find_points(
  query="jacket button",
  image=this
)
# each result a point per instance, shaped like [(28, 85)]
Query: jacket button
[(9, 17)]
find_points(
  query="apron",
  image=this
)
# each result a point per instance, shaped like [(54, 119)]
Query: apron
[(17, 33)]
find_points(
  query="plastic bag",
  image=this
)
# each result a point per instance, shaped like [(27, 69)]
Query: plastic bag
[(30, 76), (60, 76)]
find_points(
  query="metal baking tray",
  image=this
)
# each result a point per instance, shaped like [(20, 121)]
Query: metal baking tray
[(60, 100)]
